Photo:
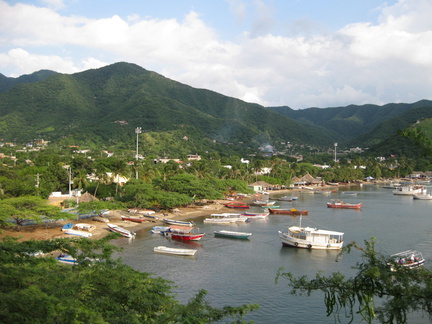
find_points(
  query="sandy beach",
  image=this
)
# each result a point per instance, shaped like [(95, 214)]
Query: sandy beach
[(53, 230)]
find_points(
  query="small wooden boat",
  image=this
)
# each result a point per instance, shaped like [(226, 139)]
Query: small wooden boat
[(78, 233), (238, 205), (67, 226), (287, 198), (341, 204), (409, 259), (225, 218), (117, 229), (259, 202), (231, 234), (292, 211), (177, 222), (84, 227), (251, 216), (141, 211), (136, 219), (101, 219), (179, 235), (176, 251)]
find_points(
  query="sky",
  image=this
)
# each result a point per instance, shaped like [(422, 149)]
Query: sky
[(296, 53)]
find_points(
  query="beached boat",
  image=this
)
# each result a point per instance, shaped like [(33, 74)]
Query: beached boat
[(78, 233), (121, 230), (67, 226), (232, 234), (409, 259), (101, 219), (311, 238), (344, 205), (176, 251), (238, 205), (68, 259), (177, 222), (141, 211), (84, 227), (136, 219), (292, 211), (408, 190)]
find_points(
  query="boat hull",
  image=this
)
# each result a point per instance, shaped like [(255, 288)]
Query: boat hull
[(174, 251), (134, 219), (120, 230), (234, 235), (344, 205), (293, 212), (176, 222), (287, 240), (184, 236)]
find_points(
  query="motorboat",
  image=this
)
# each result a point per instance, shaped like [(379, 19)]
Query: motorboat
[(311, 238), (176, 251), (177, 222), (292, 211), (180, 234), (343, 205), (78, 233), (232, 234), (225, 218), (124, 232), (409, 259)]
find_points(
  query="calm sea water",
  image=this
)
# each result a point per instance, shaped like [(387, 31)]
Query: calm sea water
[(237, 272)]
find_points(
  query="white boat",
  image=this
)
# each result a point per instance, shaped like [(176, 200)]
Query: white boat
[(424, 195), (78, 233), (177, 222), (311, 238), (68, 259), (408, 190), (84, 227), (252, 216), (176, 251), (225, 218), (159, 229), (121, 230), (232, 234), (260, 202), (287, 198), (409, 259)]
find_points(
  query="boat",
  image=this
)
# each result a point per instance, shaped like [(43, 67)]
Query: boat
[(176, 251), (311, 238), (177, 222), (409, 259), (232, 234), (180, 234), (251, 216), (84, 227), (68, 259), (78, 233), (136, 219), (67, 226), (225, 218), (259, 202), (117, 229), (101, 219), (141, 211), (344, 205), (292, 211), (424, 195), (159, 229), (287, 198), (408, 190), (238, 205)]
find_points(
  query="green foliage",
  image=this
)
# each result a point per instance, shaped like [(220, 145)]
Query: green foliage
[(42, 290), (399, 292)]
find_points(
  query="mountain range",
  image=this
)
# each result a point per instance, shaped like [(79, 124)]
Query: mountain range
[(106, 105)]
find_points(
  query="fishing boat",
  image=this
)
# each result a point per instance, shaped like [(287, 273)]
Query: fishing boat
[(159, 229), (408, 190), (225, 218), (78, 233), (424, 195), (117, 229), (176, 251), (136, 219), (292, 211), (344, 205), (251, 216), (238, 205), (232, 234), (409, 259), (180, 234), (287, 198), (311, 238), (177, 222), (259, 202)]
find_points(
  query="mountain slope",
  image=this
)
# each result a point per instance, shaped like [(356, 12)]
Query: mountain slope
[(107, 104), (7, 83)]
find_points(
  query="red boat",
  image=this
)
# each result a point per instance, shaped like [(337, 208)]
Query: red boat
[(341, 204), (291, 211), (239, 205), (182, 235)]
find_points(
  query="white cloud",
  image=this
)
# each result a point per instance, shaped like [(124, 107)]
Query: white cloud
[(362, 63)]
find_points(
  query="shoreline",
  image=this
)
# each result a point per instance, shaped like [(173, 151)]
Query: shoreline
[(53, 230)]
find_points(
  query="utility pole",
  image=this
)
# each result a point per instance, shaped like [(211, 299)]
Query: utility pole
[(335, 145), (137, 132)]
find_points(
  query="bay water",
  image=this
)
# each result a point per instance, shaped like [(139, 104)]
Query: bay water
[(236, 272)]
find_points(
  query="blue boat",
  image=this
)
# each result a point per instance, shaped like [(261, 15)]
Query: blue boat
[(67, 226)]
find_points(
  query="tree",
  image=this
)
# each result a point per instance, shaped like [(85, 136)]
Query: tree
[(28, 208), (401, 292), (42, 290)]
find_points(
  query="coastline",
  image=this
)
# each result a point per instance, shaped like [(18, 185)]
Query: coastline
[(53, 230)]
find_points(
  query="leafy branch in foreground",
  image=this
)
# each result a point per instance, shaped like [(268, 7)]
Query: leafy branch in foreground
[(399, 290)]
